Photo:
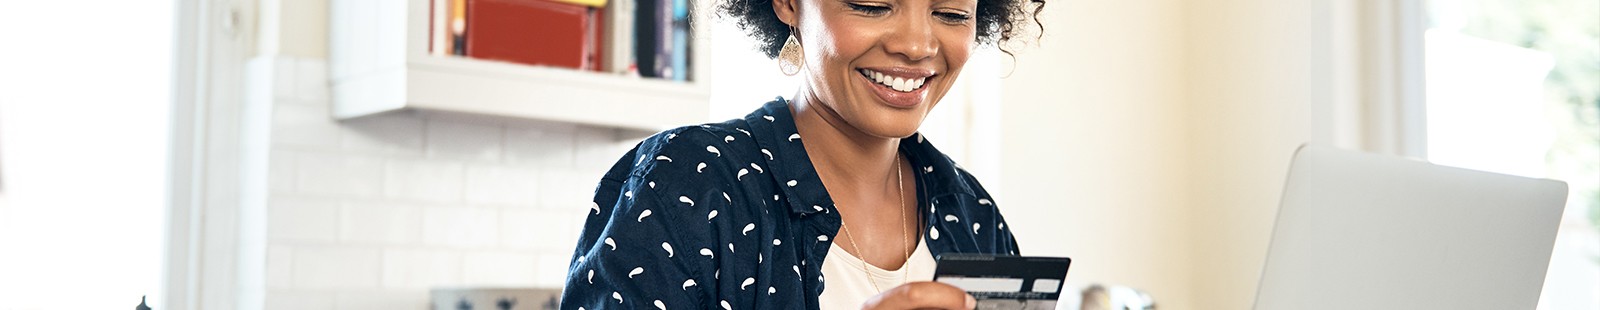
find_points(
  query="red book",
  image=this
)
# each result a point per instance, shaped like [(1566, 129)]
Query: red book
[(534, 32)]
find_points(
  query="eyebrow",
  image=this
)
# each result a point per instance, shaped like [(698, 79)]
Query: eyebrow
[(973, 3)]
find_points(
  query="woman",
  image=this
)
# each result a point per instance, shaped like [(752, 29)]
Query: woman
[(747, 214)]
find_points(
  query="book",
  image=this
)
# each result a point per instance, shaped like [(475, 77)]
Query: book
[(534, 32), (439, 36), (589, 3), (680, 41), (594, 54), (653, 38), (458, 27), (619, 37)]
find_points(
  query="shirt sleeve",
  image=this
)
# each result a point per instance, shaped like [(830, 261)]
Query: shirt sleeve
[(648, 242), (638, 262), (994, 230), (1005, 241)]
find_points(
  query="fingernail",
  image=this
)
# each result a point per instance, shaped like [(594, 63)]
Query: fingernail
[(972, 303)]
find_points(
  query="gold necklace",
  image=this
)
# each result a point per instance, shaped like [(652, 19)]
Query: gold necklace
[(905, 269)]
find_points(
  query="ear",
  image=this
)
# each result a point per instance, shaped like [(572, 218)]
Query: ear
[(788, 11)]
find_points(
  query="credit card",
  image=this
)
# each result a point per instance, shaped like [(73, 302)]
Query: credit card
[(1005, 282)]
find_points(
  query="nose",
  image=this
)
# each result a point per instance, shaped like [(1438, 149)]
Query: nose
[(912, 37)]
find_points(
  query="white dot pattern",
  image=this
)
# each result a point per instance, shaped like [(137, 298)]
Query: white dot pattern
[(702, 192)]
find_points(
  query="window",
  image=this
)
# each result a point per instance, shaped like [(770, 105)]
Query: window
[(84, 122), (1514, 87)]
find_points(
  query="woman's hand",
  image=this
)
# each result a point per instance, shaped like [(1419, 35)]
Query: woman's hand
[(922, 295)]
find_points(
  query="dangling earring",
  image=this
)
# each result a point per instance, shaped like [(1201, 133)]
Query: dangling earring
[(790, 57)]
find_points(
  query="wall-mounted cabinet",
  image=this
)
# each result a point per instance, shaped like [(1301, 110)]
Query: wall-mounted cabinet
[(380, 62)]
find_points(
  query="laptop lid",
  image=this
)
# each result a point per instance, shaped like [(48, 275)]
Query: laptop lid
[(1364, 231)]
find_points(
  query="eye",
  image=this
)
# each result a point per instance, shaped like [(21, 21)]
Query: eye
[(953, 17), (869, 9)]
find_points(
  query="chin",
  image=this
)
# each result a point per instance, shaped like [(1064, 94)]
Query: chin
[(900, 125)]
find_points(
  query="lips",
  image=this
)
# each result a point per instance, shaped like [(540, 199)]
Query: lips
[(898, 87)]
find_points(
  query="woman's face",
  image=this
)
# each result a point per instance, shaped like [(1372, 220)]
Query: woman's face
[(881, 65)]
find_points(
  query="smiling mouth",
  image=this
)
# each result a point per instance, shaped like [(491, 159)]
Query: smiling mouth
[(898, 84)]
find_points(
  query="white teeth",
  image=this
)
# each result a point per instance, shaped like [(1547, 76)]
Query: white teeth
[(899, 84)]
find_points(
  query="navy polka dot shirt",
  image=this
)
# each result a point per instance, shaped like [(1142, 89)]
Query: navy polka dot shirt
[(732, 216)]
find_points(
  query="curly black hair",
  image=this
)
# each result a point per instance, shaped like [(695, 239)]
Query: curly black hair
[(998, 21)]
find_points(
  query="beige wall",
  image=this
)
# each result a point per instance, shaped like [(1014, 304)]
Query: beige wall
[(301, 29), (1149, 140), (1258, 73), (1094, 158)]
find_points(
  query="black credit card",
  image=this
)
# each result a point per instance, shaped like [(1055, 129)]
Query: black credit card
[(1005, 282)]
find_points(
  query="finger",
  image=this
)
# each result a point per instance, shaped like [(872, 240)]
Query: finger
[(923, 295)]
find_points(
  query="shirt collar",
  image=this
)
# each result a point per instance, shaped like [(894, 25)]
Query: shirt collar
[(773, 128), (939, 175)]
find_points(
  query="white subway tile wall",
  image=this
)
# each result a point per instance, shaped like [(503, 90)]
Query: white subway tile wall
[(304, 125), (380, 223), (334, 267), (371, 213), (427, 180), (334, 174), (421, 269), (278, 274), (507, 185), (302, 300), (383, 136), (303, 220), (380, 300), (281, 171), (500, 268), (460, 227), (466, 141)]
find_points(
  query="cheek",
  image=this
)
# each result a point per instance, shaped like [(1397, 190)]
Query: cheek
[(838, 48), (956, 48), (832, 52)]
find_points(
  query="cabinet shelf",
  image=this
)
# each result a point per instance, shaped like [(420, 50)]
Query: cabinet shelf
[(379, 64)]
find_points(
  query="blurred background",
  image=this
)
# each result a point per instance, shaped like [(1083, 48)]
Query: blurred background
[(367, 154)]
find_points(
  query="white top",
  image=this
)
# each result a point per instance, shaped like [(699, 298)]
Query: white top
[(846, 286)]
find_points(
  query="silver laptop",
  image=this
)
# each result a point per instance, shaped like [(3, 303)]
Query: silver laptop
[(1362, 231)]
